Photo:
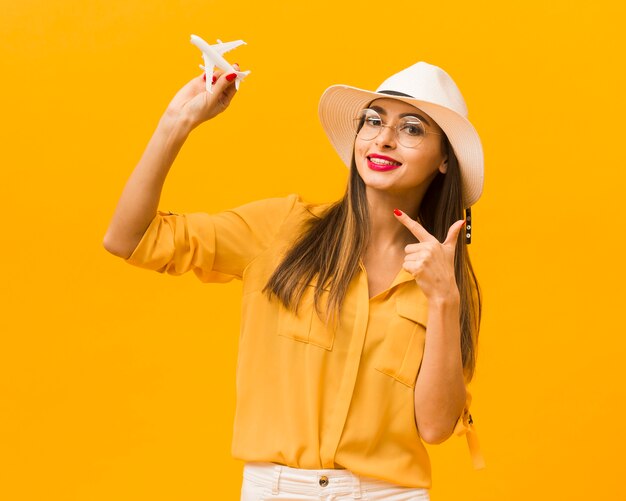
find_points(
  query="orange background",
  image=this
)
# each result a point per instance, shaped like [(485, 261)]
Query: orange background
[(119, 384)]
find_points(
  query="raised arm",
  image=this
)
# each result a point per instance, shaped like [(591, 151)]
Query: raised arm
[(139, 201)]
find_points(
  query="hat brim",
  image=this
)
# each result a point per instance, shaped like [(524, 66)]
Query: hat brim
[(340, 104)]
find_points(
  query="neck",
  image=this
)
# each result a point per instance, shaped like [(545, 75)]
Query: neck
[(387, 232)]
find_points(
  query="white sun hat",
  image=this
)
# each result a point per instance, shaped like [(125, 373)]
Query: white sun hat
[(426, 87)]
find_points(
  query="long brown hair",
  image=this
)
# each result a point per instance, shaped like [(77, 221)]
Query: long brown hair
[(330, 246)]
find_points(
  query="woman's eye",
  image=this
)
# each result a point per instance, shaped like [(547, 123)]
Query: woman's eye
[(412, 130), (374, 122)]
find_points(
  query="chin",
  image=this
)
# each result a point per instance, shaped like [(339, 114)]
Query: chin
[(375, 178)]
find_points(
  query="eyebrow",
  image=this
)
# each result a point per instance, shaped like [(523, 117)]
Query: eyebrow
[(383, 112)]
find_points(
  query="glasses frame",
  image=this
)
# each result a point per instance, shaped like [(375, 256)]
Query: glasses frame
[(394, 127)]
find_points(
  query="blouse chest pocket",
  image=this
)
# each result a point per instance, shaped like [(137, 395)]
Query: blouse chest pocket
[(306, 326), (402, 348)]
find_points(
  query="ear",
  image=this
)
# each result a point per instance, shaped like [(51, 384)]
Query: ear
[(443, 166)]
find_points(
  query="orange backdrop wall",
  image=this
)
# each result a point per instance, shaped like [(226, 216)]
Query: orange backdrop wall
[(119, 384)]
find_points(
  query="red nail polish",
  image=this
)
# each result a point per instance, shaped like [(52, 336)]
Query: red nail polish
[(397, 212), (231, 77), (214, 79), (204, 77)]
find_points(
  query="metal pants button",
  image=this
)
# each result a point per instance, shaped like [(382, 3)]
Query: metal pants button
[(323, 480)]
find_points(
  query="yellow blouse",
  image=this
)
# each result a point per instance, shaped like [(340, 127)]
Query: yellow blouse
[(309, 397)]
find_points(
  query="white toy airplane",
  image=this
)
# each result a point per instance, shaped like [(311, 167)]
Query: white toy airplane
[(212, 55)]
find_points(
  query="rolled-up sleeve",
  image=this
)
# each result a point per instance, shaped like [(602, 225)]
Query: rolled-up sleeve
[(216, 247), (465, 426)]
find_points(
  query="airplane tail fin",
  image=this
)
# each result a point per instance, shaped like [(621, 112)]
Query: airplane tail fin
[(240, 76)]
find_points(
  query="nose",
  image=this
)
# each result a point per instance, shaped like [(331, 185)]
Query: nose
[(386, 137)]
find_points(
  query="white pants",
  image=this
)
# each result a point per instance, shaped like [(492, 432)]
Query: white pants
[(270, 481)]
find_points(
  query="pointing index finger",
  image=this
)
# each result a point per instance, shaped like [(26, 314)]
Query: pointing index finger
[(414, 227)]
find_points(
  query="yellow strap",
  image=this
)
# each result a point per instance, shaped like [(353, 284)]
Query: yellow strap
[(474, 447), (466, 426)]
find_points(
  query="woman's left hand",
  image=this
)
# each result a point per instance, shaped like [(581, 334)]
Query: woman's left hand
[(430, 261)]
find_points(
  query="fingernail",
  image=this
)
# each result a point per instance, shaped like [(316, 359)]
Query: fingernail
[(231, 77), (214, 79), (397, 212), (204, 77)]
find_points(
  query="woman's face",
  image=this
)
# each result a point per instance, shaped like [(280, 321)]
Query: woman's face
[(410, 167)]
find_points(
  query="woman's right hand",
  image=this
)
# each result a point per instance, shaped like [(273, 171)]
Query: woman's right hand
[(193, 104)]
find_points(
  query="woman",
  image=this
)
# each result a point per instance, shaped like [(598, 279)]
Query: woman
[(360, 318)]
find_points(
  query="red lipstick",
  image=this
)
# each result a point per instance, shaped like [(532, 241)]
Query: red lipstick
[(382, 167)]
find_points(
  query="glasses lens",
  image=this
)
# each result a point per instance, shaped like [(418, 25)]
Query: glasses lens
[(367, 124), (410, 131)]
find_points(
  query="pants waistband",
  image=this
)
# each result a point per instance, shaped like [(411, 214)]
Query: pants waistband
[(305, 481)]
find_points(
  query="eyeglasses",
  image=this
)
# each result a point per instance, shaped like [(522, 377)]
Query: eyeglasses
[(410, 131)]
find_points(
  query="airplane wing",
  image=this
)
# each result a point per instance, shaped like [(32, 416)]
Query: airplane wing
[(224, 47), (208, 70)]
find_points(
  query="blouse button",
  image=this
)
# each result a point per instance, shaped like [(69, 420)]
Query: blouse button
[(323, 480)]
